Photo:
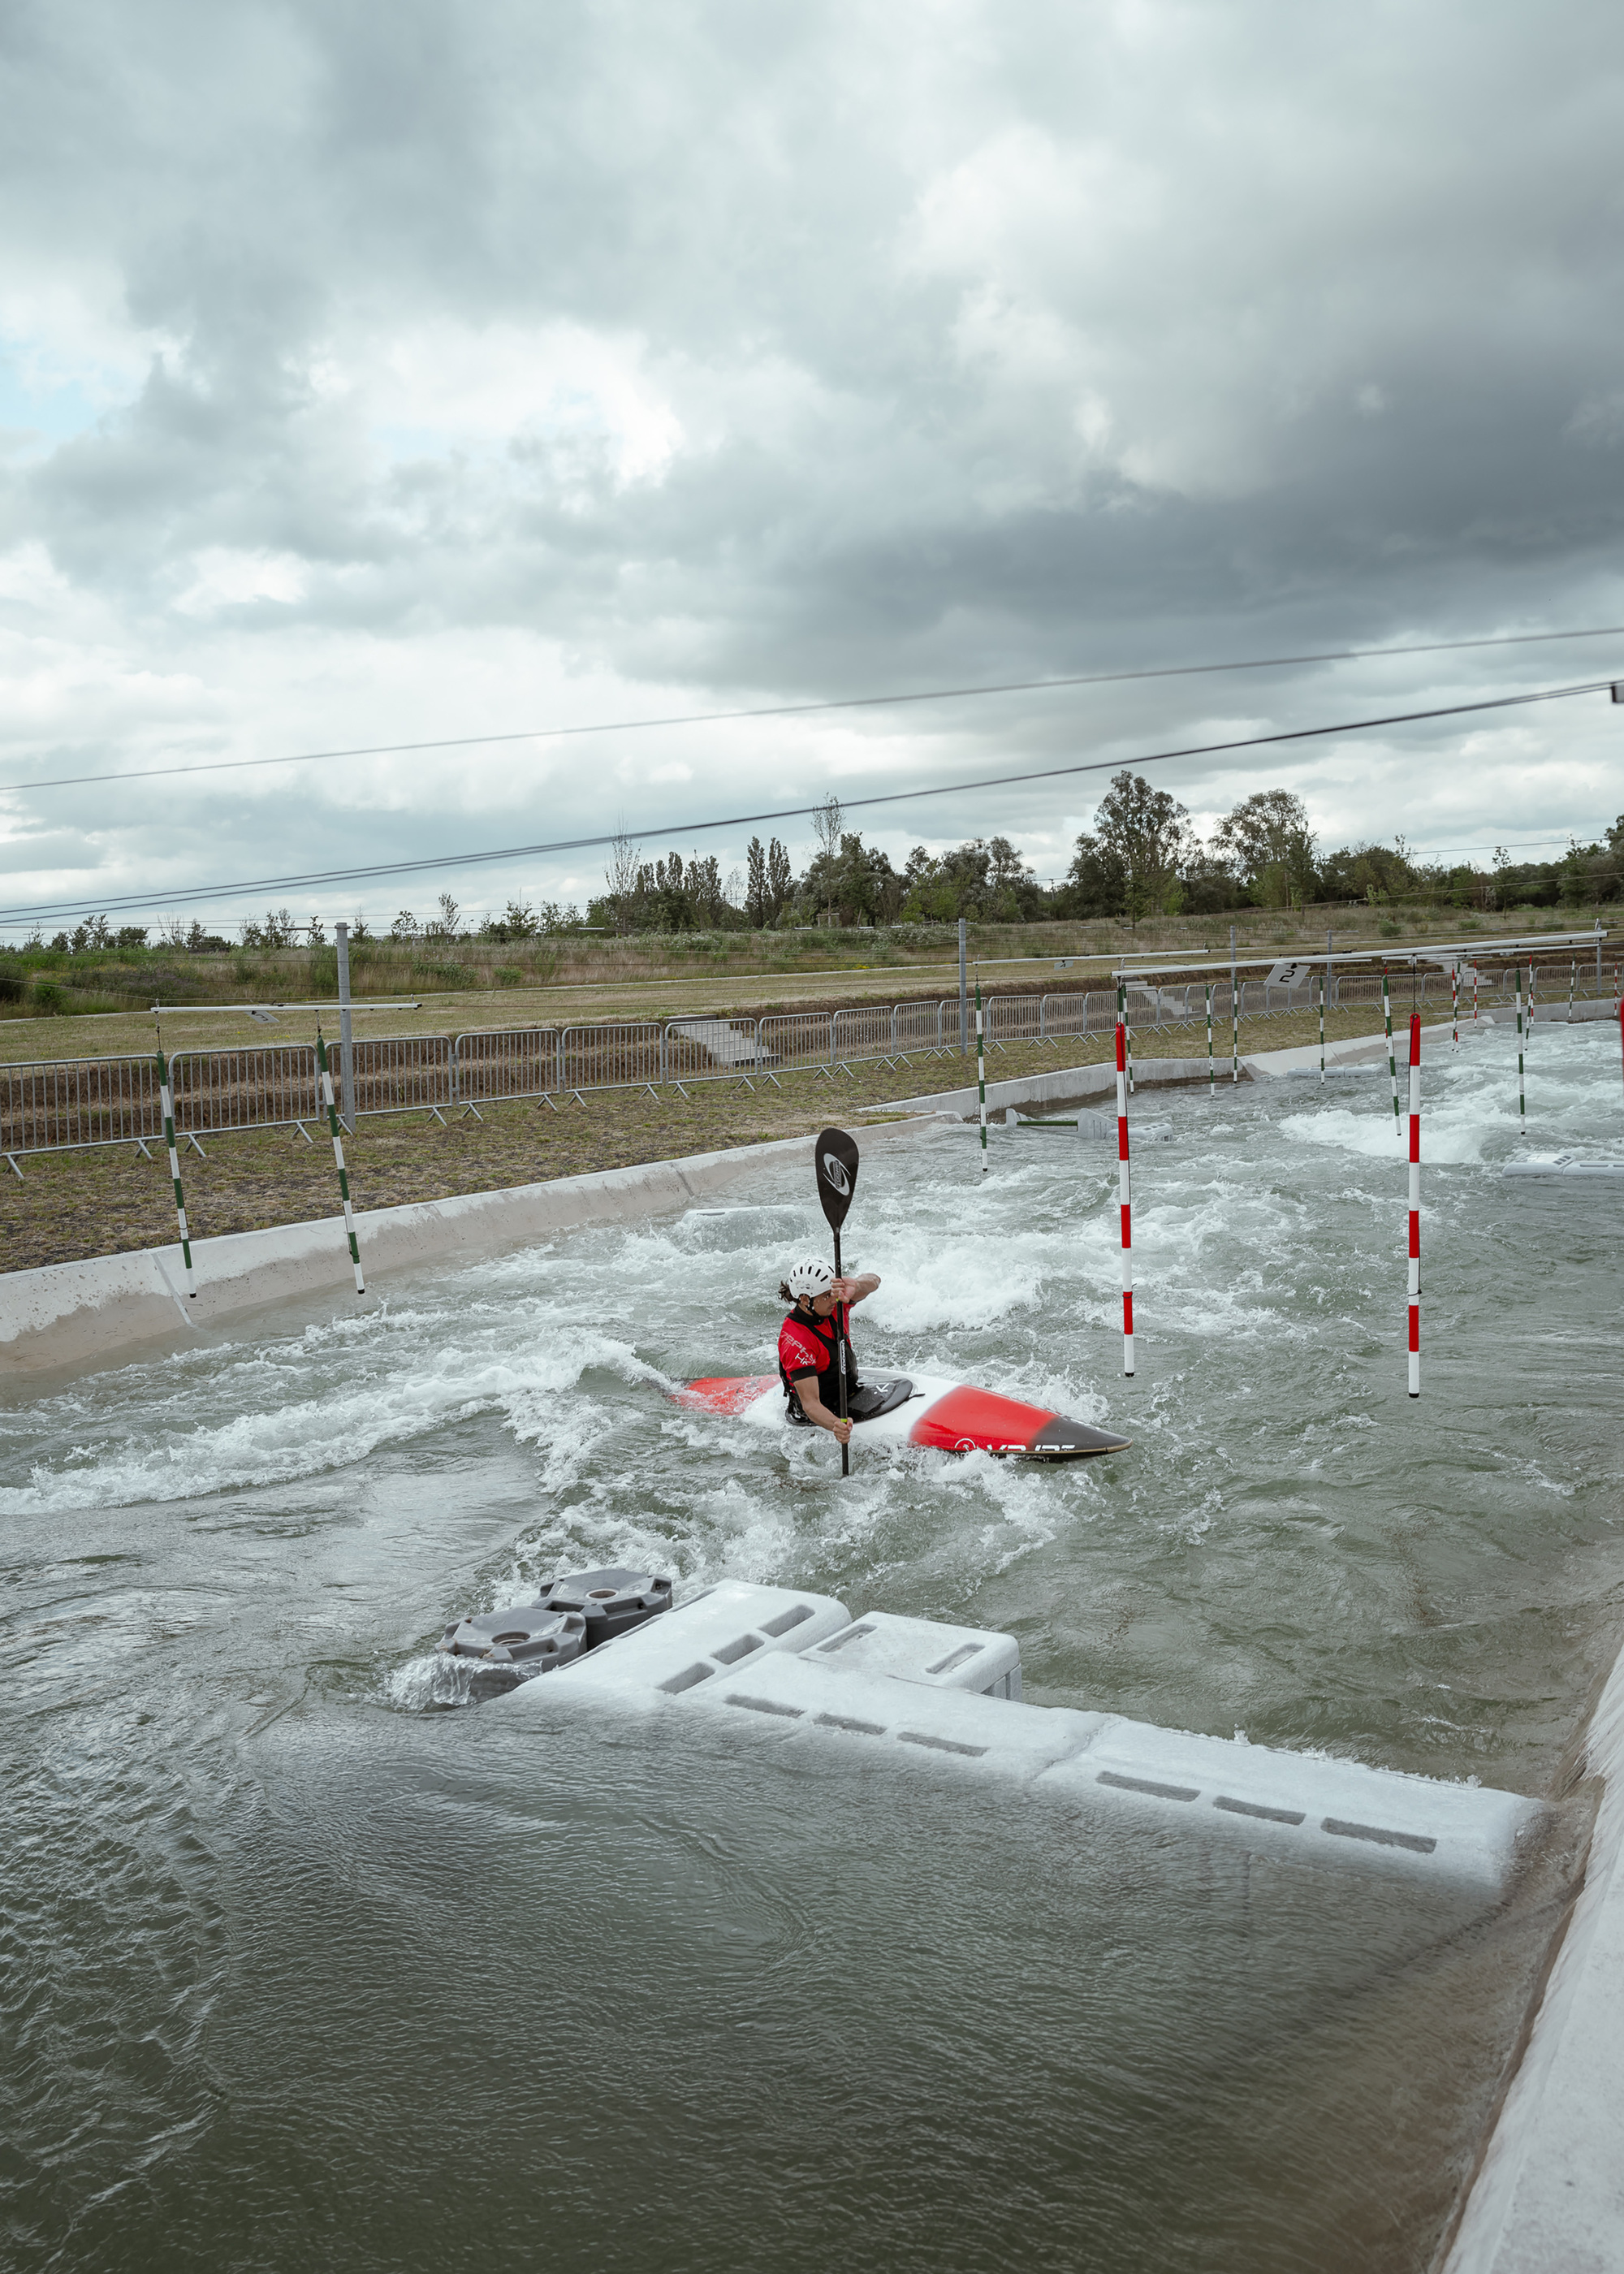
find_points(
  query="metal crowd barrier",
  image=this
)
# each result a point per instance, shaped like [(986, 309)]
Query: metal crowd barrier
[(71, 1105)]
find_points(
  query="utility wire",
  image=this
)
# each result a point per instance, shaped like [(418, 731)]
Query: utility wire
[(806, 709), (193, 894)]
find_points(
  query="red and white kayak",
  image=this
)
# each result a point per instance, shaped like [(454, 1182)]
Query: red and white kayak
[(952, 1416)]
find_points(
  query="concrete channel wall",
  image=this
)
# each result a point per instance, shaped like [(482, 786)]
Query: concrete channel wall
[(1548, 2194), (69, 1314)]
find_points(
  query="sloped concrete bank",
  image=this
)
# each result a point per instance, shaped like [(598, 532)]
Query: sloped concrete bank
[(1548, 2194), (68, 1315)]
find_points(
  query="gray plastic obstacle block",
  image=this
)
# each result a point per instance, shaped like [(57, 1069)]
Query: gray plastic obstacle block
[(611, 1601), (514, 1644)]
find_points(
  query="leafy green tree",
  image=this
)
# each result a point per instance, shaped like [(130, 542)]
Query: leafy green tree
[(1147, 833), (1267, 841)]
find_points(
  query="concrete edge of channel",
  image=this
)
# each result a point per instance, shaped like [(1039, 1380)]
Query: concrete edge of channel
[(104, 1308), (1547, 2191)]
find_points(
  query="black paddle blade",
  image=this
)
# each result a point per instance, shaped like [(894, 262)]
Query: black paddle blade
[(836, 1156)]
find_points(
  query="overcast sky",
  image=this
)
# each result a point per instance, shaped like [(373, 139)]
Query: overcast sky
[(452, 367)]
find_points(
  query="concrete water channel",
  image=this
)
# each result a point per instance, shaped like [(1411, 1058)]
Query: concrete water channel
[(309, 1963)]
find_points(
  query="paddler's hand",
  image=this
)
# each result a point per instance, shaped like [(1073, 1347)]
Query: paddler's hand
[(854, 1290), (840, 1431)]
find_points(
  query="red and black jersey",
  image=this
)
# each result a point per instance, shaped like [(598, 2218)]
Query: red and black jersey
[(809, 1344)]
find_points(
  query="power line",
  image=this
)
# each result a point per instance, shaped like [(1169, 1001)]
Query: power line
[(807, 710), (191, 895)]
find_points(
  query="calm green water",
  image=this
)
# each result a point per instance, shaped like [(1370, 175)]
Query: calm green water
[(302, 1969)]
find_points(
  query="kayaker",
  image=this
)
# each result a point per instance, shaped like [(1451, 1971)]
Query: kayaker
[(810, 1341)]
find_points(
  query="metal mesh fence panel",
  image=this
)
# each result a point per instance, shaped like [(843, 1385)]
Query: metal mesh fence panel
[(397, 1073), (864, 1033), (505, 1062), (269, 1086), (697, 1050), (798, 1038), (914, 1026), (610, 1057), (1014, 1017), (56, 1105)]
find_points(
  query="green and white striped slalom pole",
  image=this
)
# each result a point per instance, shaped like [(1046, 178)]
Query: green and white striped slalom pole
[(180, 1198), (1386, 1013), (981, 1069), (338, 1155), (1212, 1073), (1322, 980)]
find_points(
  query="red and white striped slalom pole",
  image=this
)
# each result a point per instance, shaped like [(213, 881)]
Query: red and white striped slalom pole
[(1414, 1204), (1124, 1197)]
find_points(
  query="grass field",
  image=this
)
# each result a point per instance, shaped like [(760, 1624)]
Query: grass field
[(105, 1003)]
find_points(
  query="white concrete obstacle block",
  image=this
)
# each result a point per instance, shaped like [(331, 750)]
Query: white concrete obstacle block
[(712, 1633), (798, 1697), (1332, 1812), (1563, 1164), (926, 1649), (784, 1666)]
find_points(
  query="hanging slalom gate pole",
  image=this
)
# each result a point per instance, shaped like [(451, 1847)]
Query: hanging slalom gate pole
[(1414, 1204), (1324, 975), (1573, 969), (1212, 1078), (168, 1099), (1124, 1197), (1386, 1015), (1474, 994), (338, 1155), (1521, 1107), (1234, 1016), (1454, 1007), (1122, 1020), (981, 1069)]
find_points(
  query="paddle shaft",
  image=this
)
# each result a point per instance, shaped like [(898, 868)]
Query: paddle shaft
[(845, 1449)]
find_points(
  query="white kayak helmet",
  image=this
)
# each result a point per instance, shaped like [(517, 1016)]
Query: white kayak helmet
[(813, 1276)]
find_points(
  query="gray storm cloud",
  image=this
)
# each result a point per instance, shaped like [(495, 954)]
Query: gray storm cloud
[(372, 373)]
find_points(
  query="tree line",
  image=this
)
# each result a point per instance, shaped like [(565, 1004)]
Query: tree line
[(1141, 856)]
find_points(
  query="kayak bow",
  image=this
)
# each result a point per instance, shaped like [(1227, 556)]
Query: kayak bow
[(954, 1417)]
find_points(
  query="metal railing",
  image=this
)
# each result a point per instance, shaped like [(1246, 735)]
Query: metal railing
[(69, 1104)]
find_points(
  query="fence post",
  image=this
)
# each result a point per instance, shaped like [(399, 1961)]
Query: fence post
[(180, 1198), (338, 1156)]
